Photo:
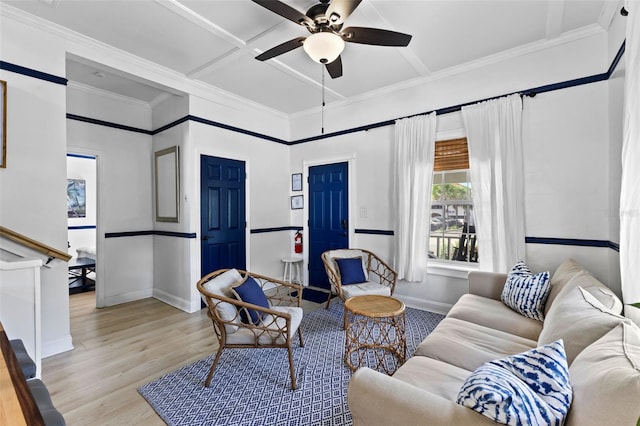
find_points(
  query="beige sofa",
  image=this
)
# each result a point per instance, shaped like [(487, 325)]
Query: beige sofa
[(603, 353)]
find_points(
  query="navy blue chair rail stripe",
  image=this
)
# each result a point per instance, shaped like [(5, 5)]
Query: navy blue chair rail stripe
[(75, 228), (616, 59), (278, 229), (528, 240), (235, 129), (140, 233), (18, 69), (572, 242), (88, 157), (107, 124), (170, 125), (373, 231)]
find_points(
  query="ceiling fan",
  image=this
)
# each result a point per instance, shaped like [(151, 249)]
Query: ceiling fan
[(324, 21)]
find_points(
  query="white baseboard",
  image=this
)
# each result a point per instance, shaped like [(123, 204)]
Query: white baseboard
[(127, 297), (54, 347), (171, 299), (425, 305)]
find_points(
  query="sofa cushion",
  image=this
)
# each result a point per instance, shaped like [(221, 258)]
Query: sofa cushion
[(221, 285), (438, 377), (351, 270), (531, 388), (250, 292), (579, 319), (600, 291), (563, 274), (525, 292), (606, 380), (494, 314), (468, 345)]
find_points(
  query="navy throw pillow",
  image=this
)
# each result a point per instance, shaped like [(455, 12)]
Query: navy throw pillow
[(250, 292), (351, 271)]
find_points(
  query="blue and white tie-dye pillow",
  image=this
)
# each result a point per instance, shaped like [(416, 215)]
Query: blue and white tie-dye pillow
[(525, 292), (531, 388)]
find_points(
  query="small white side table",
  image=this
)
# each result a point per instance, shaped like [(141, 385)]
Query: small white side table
[(291, 271)]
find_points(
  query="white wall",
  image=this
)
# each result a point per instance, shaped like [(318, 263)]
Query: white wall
[(83, 168), (172, 255), (33, 185)]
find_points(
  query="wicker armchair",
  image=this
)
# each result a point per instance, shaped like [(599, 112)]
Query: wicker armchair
[(380, 277), (276, 325)]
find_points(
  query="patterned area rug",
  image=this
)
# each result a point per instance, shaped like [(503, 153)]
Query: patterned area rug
[(252, 387)]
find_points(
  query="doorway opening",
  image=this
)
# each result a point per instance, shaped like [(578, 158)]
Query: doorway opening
[(82, 213)]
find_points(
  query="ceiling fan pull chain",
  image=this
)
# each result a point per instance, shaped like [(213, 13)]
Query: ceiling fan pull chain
[(322, 109)]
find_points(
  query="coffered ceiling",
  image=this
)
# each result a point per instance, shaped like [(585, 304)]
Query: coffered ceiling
[(215, 42)]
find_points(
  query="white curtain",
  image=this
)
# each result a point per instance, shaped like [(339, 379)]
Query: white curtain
[(413, 174), (630, 187), (494, 137)]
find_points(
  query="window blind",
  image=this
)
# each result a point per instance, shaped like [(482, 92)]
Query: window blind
[(451, 154)]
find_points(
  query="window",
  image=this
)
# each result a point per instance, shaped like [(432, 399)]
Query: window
[(452, 224)]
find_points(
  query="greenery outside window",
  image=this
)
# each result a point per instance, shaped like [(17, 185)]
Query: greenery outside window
[(452, 225)]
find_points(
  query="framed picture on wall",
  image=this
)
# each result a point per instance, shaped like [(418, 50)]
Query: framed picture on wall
[(297, 202), (3, 123), (76, 198), (296, 182)]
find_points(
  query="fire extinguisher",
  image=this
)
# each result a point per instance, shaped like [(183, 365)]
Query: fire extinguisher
[(297, 242)]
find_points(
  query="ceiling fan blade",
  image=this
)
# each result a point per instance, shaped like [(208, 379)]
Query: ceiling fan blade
[(287, 12), (281, 48), (335, 68), (375, 36), (339, 10)]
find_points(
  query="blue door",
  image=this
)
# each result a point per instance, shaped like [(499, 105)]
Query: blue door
[(328, 216), (222, 215)]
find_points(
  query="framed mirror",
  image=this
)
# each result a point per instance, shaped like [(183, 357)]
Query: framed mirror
[(167, 174)]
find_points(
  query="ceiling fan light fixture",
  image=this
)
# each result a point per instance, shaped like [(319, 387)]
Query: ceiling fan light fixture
[(323, 47)]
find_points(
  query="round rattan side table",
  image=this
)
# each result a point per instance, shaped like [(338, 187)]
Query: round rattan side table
[(375, 333)]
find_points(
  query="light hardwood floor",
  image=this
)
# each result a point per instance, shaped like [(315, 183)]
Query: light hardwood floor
[(118, 349)]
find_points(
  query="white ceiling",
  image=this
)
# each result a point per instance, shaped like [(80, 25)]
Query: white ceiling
[(215, 42)]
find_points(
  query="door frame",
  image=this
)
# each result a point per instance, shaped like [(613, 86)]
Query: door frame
[(196, 210), (350, 159)]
